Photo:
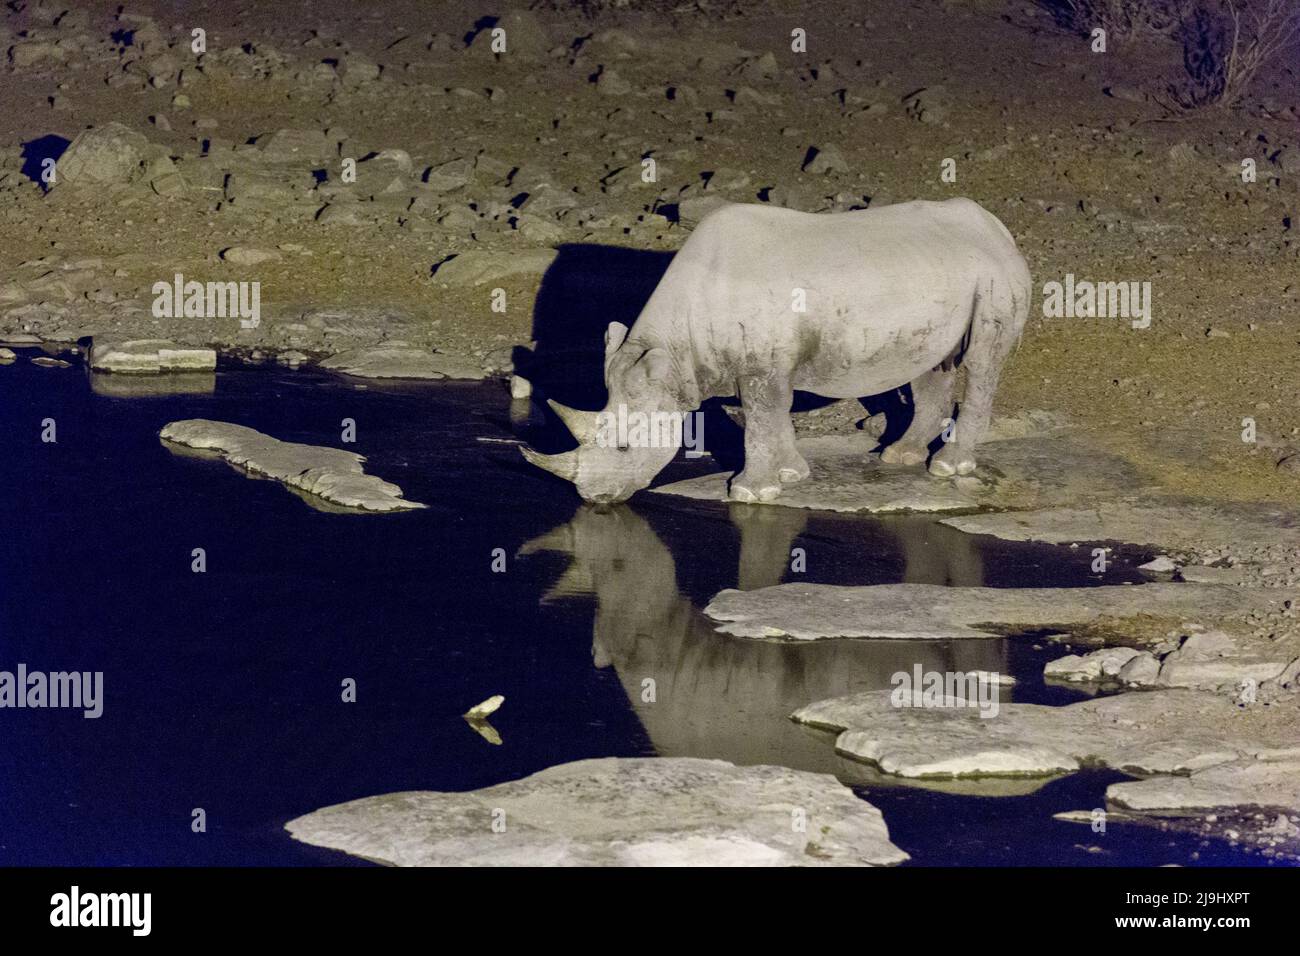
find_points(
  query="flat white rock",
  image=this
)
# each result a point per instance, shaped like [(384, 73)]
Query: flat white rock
[(1166, 525), (1168, 731), (149, 357), (402, 361), (936, 612), (1214, 659), (1271, 784), (655, 811), (848, 482), (1015, 472), (329, 473)]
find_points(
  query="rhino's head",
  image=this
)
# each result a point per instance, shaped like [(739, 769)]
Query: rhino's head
[(621, 448)]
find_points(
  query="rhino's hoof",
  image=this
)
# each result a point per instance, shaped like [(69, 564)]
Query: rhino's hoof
[(897, 454), (749, 492), (951, 460), (792, 471)]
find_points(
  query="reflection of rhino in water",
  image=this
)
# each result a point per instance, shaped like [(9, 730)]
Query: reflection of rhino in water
[(726, 697)]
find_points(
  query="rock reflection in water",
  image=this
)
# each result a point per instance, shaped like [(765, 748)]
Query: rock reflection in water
[(699, 693), (152, 386)]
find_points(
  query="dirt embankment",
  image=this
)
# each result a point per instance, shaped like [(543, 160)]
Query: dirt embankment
[(489, 157)]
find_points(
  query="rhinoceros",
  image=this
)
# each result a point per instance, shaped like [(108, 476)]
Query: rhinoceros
[(761, 301)]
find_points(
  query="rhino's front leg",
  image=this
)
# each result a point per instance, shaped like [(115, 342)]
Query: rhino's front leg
[(770, 455), (766, 535)]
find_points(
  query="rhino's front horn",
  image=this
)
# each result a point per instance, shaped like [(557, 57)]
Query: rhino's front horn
[(565, 464), (582, 424)]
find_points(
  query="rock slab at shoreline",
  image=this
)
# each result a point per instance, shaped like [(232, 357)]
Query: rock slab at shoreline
[(1149, 732), (935, 612), (329, 473), (149, 357), (658, 811), (399, 360)]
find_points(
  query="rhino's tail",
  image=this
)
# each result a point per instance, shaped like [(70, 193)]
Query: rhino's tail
[(963, 344), (998, 316)]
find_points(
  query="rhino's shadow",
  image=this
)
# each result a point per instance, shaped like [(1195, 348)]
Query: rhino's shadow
[(589, 286)]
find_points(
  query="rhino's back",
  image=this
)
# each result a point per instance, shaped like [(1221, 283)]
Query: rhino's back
[(748, 239), (848, 298)]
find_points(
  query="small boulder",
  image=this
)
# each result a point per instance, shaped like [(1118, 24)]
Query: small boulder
[(105, 155), (1142, 670), (825, 159), (480, 266), (525, 35), (1288, 159), (1160, 565), (930, 105), (450, 175), (611, 83), (295, 146), (149, 357), (1108, 662), (248, 255)]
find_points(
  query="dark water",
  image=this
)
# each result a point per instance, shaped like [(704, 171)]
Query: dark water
[(223, 689)]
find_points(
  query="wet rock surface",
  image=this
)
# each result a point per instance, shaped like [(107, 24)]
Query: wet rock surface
[(1158, 732), (1024, 471), (1105, 663), (845, 476), (1250, 803), (1205, 660), (616, 812), (1185, 525), (400, 360), (332, 474), (933, 612), (1262, 783)]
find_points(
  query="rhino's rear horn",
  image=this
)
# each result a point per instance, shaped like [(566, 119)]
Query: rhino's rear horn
[(565, 465), (582, 424)]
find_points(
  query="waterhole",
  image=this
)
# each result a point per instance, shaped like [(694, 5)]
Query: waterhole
[(223, 689)]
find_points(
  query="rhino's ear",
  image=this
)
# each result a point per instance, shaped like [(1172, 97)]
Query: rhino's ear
[(614, 336)]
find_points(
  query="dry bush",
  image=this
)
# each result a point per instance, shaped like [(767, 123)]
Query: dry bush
[(595, 9), (1227, 42), (1122, 20)]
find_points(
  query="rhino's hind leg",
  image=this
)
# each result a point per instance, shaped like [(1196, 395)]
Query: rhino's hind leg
[(931, 404), (770, 455), (994, 331)]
